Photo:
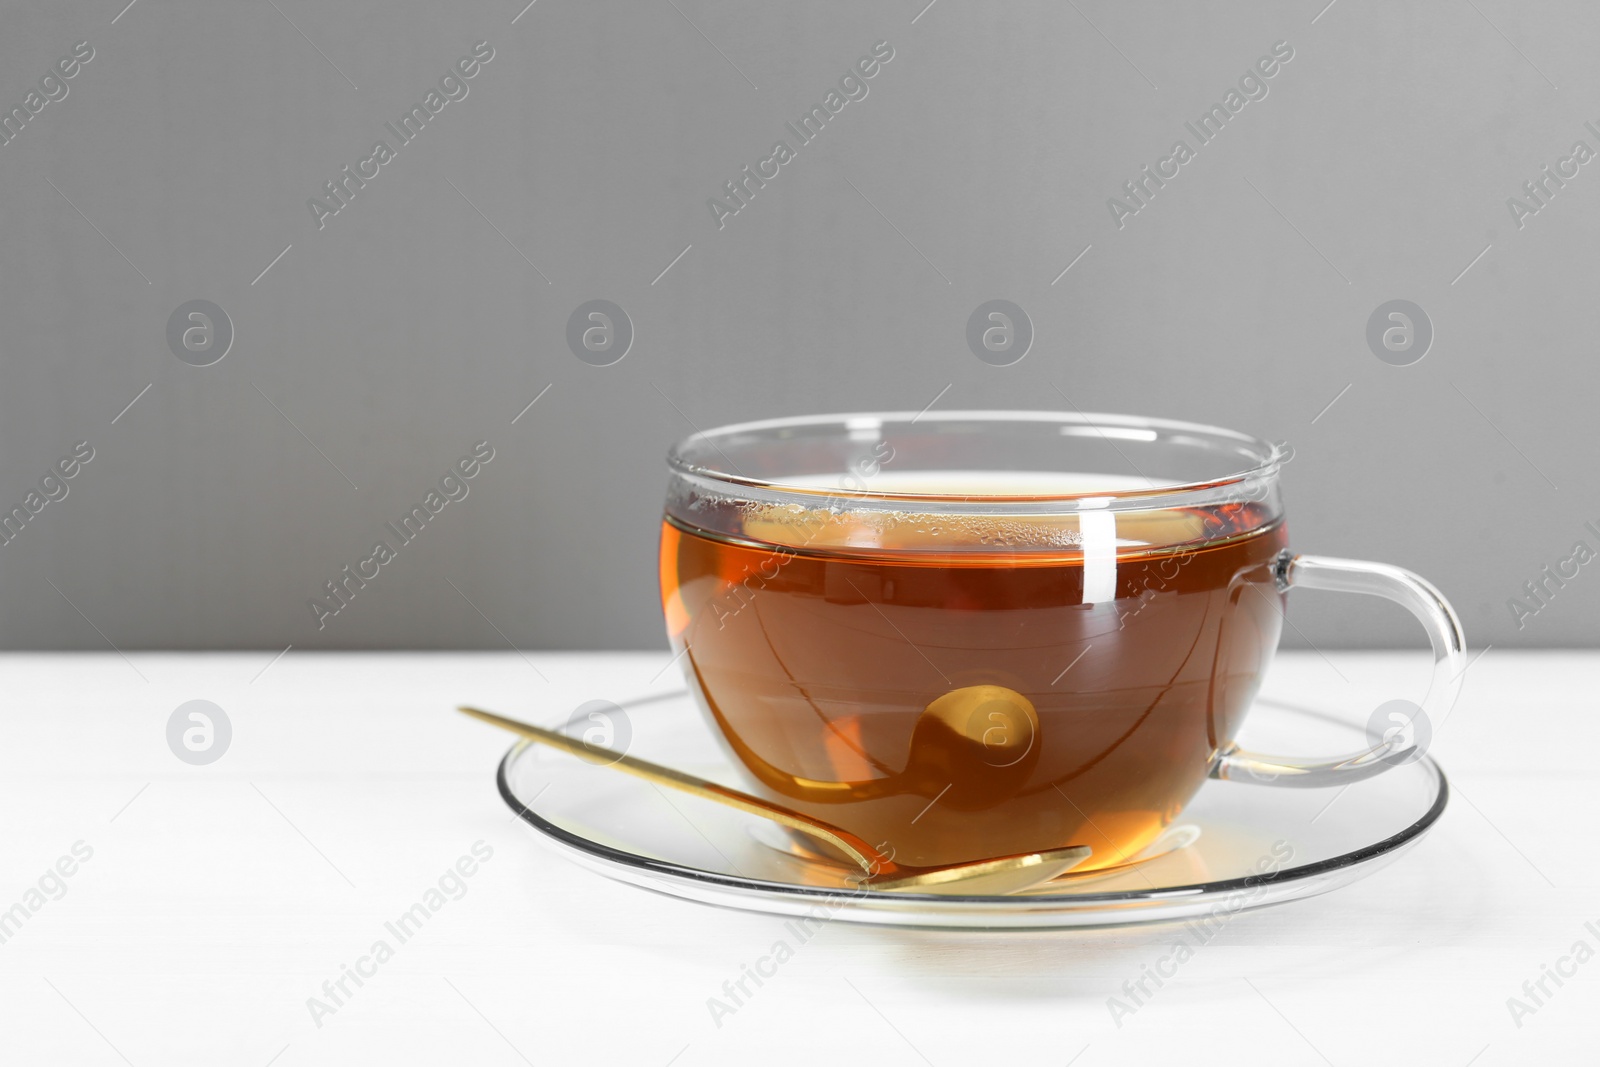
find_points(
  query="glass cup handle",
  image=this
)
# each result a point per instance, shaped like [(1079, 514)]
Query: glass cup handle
[(1449, 660)]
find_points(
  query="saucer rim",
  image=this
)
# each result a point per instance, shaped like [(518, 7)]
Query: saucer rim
[(1366, 854)]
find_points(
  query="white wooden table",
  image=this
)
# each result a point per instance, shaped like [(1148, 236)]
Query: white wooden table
[(218, 899)]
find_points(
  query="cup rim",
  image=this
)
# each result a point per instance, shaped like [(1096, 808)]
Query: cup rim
[(1267, 457)]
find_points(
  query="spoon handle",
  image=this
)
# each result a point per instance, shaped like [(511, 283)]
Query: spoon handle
[(872, 861)]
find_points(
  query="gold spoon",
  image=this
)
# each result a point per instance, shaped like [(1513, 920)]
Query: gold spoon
[(1000, 875)]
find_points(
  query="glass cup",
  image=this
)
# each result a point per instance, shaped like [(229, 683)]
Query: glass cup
[(971, 634)]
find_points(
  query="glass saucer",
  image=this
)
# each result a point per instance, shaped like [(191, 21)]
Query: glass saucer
[(1237, 845)]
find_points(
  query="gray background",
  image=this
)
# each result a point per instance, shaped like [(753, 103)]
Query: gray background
[(1377, 168)]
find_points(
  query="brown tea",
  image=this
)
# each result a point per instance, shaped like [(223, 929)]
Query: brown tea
[(948, 687)]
